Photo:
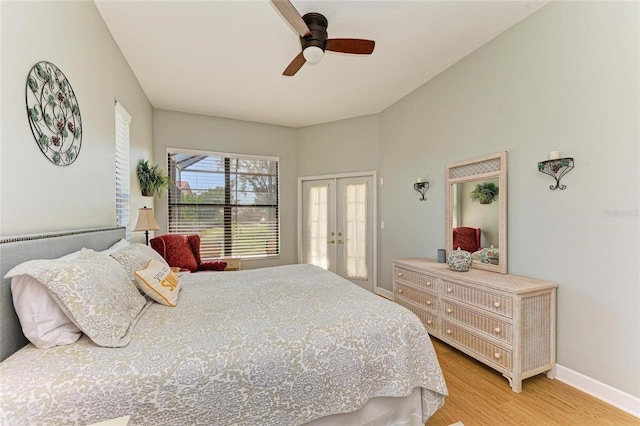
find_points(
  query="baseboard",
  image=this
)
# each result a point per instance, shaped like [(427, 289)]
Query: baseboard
[(603, 392)]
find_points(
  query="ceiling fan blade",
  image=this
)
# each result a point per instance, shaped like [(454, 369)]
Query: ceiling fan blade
[(351, 45), (291, 15), (295, 65)]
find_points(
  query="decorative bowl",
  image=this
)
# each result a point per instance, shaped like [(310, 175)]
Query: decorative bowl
[(487, 255), (459, 260)]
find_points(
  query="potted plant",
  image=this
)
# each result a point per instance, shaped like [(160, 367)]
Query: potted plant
[(484, 193), (152, 179)]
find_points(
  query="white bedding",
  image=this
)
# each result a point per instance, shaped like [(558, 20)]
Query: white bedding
[(275, 346)]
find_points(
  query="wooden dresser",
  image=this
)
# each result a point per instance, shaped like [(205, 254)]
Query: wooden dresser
[(504, 321)]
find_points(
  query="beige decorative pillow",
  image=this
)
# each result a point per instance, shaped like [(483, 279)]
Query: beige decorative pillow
[(93, 291), (159, 282), (136, 257)]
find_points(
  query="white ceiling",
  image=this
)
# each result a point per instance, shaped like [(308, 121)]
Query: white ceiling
[(225, 58)]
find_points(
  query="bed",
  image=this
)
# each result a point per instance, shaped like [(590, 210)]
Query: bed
[(285, 345)]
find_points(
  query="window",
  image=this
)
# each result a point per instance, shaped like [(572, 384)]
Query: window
[(123, 121), (230, 200)]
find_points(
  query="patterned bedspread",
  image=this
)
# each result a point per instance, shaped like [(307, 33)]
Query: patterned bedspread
[(275, 346)]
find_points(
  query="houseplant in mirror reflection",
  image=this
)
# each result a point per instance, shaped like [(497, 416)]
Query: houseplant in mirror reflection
[(484, 193)]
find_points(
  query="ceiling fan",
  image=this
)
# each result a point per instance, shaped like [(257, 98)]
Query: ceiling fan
[(312, 28)]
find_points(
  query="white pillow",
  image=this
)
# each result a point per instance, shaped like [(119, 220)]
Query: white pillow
[(117, 246), (95, 293), (159, 282), (42, 320)]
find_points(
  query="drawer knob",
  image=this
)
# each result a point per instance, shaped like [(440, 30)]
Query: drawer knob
[(496, 304), (428, 302), (399, 274), (496, 355), (497, 330), (448, 310), (429, 322), (399, 290), (448, 331), (449, 290), (428, 283)]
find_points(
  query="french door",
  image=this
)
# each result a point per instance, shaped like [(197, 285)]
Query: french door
[(337, 226)]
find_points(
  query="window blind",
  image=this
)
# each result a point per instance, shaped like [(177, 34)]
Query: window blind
[(230, 200), (123, 121)]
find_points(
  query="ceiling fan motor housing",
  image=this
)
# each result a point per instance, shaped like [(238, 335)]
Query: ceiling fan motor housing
[(317, 24)]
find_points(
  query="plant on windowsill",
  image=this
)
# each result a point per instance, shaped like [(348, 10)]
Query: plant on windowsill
[(152, 179), (484, 193)]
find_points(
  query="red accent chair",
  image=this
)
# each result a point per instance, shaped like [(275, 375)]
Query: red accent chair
[(467, 239), (183, 251)]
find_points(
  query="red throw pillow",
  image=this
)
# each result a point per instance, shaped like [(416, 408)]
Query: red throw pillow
[(212, 266), (177, 251)]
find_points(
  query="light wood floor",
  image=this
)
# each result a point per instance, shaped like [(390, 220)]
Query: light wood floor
[(480, 396)]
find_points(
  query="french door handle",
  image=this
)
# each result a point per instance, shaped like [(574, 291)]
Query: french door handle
[(331, 241)]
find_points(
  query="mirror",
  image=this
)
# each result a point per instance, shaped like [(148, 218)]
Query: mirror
[(477, 210)]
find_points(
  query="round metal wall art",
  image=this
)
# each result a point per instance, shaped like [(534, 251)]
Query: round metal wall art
[(54, 114)]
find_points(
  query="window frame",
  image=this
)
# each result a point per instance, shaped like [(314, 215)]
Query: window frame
[(228, 205)]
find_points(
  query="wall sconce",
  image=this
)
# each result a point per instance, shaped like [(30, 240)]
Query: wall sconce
[(421, 187), (556, 167), (146, 222)]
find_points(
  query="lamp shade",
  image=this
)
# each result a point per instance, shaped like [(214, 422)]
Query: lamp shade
[(146, 220)]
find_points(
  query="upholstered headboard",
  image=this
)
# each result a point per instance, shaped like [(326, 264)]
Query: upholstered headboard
[(17, 249)]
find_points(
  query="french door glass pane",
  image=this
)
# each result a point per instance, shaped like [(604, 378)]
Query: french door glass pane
[(355, 218), (318, 226)]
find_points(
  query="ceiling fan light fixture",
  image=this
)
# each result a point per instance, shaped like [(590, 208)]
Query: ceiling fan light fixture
[(313, 54)]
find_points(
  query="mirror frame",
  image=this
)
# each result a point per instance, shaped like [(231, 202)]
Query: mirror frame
[(489, 167)]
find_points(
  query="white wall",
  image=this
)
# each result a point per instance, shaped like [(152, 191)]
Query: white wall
[(566, 78), (199, 132), (36, 195), (344, 146)]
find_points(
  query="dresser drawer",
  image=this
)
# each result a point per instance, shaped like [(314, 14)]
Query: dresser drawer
[(490, 352), (423, 299), (501, 305), (491, 327), (416, 279), (475, 311), (428, 319)]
